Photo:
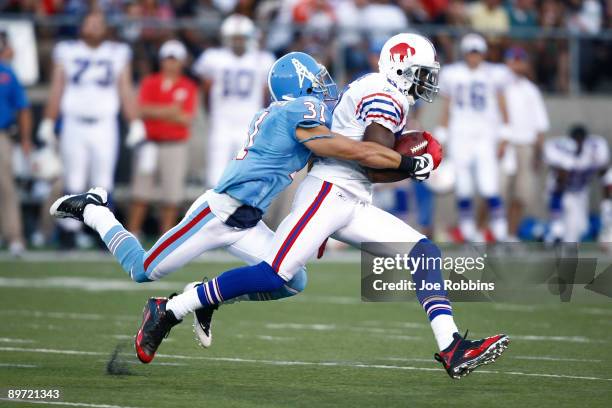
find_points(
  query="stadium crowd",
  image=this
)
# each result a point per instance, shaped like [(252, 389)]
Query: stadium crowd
[(172, 45), (312, 25)]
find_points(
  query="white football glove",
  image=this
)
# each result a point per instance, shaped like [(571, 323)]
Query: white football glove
[(423, 167), (46, 132), (136, 134)]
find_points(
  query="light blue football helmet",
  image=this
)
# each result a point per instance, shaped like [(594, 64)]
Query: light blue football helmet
[(298, 74)]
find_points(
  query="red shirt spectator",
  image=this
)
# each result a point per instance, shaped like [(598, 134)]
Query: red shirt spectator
[(157, 90)]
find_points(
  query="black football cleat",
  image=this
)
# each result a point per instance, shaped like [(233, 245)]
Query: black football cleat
[(155, 327), (73, 206), (463, 356), (202, 320)]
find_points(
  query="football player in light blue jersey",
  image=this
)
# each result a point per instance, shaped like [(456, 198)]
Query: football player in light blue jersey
[(280, 141)]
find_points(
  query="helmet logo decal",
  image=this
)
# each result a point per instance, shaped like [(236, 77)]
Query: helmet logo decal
[(402, 50), (302, 72)]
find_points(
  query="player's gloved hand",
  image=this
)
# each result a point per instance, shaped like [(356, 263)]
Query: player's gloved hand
[(434, 149), (419, 167), (136, 134), (46, 132)]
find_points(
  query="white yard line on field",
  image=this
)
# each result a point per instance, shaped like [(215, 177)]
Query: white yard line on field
[(65, 315), (160, 363), (346, 364), (17, 365), (569, 339), (17, 341), (547, 358), (87, 284), (64, 403)]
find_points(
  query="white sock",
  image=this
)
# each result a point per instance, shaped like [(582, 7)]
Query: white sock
[(499, 228), (467, 226), (185, 303), (99, 218), (443, 327)]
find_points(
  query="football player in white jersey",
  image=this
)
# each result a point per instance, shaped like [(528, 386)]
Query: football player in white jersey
[(475, 125), (234, 79), (605, 212), (574, 161), (335, 200), (91, 80)]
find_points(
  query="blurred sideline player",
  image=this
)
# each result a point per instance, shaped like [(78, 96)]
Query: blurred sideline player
[(474, 119), (574, 161), (234, 79), (605, 235), (168, 102), (280, 141), (91, 79), (335, 200), (529, 121)]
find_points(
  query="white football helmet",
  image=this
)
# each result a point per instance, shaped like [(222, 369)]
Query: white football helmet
[(237, 25), (409, 62)]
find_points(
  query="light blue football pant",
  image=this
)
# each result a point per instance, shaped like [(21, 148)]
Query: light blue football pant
[(199, 231)]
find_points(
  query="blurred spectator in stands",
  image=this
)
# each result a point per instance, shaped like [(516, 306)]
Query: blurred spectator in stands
[(436, 8), (315, 16), (584, 16), (354, 45), (246, 8), (552, 69), (168, 101), (456, 16), (14, 112), (489, 15), (528, 121), (381, 19), (523, 14), (414, 11)]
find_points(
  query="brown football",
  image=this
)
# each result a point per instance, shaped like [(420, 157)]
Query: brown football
[(411, 143)]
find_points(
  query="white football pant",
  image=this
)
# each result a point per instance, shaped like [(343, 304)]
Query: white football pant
[(320, 210)]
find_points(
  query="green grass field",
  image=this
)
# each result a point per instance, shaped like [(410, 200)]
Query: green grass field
[(61, 322)]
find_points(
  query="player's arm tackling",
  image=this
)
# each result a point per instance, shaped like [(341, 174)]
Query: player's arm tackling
[(379, 134), (323, 142)]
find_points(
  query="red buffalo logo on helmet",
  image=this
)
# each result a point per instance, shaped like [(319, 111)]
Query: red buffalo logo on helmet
[(402, 50)]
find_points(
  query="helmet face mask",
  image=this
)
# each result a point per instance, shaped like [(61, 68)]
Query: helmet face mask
[(324, 86), (424, 81)]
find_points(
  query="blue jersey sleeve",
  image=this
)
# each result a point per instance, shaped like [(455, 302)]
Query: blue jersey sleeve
[(309, 112), (18, 94)]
